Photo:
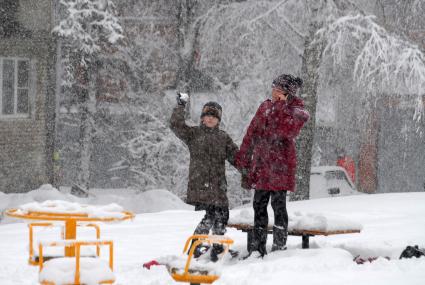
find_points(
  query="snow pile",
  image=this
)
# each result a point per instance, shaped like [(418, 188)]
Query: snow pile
[(48, 198), (301, 221), (45, 192), (142, 202), (58, 206), (62, 271), (322, 222), (197, 266)]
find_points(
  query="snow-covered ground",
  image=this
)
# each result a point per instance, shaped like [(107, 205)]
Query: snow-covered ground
[(129, 199), (390, 222)]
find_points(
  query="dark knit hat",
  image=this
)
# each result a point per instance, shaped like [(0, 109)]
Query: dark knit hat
[(212, 109), (287, 83)]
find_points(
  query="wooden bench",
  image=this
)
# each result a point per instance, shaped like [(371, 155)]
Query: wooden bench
[(305, 234)]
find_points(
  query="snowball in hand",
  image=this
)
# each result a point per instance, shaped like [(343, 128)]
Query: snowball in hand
[(184, 96)]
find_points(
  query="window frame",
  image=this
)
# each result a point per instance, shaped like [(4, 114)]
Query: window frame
[(15, 114), (336, 172)]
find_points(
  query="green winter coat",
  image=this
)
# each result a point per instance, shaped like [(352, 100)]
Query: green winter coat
[(209, 148)]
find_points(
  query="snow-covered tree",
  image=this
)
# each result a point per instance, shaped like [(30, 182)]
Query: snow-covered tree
[(244, 45), (228, 51), (89, 28), (383, 63), (154, 158)]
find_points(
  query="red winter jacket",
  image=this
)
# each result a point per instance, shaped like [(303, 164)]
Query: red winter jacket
[(268, 148)]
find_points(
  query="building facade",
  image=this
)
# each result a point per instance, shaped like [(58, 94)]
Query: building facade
[(27, 103)]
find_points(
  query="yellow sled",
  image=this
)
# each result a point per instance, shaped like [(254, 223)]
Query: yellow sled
[(198, 276)]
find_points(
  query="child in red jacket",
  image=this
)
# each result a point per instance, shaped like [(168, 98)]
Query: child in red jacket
[(268, 160)]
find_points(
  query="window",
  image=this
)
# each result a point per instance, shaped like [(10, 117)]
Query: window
[(8, 14), (337, 175), (14, 87)]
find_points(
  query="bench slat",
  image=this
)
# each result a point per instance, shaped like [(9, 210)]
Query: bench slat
[(248, 227)]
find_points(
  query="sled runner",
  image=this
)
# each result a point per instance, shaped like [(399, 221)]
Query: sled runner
[(194, 275)]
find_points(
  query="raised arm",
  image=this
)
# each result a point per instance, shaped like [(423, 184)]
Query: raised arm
[(291, 119), (178, 125)]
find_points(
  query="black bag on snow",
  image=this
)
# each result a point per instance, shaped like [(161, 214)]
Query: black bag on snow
[(412, 251)]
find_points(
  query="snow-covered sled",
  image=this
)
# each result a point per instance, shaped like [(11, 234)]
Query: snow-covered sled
[(185, 269)]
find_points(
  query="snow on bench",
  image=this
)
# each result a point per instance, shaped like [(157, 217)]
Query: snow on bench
[(300, 224), (62, 271)]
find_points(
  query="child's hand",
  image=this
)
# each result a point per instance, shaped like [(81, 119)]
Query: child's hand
[(182, 98), (244, 171)]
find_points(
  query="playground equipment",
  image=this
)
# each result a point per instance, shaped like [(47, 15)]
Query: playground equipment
[(70, 267), (33, 258), (65, 265), (70, 220), (190, 275)]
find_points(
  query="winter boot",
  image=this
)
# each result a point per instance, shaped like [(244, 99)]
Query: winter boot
[(199, 250), (280, 236), (257, 241), (262, 241), (216, 250), (233, 253)]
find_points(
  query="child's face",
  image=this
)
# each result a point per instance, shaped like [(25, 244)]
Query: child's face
[(210, 121), (279, 95)]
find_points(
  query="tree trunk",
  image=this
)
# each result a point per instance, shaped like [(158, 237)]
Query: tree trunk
[(50, 117), (310, 71), (87, 111), (185, 38), (188, 34)]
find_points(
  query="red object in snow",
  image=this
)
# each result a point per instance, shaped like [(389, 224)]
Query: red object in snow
[(360, 260), (151, 263), (268, 148), (349, 165)]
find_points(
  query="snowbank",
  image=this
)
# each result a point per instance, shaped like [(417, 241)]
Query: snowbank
[(301, 221), (140, 202), (114, 199)]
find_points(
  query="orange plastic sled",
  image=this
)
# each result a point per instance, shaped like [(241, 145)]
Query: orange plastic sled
[(197, 276)]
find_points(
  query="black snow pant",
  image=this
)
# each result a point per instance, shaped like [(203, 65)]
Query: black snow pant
[(215, 218), (261, 219)]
